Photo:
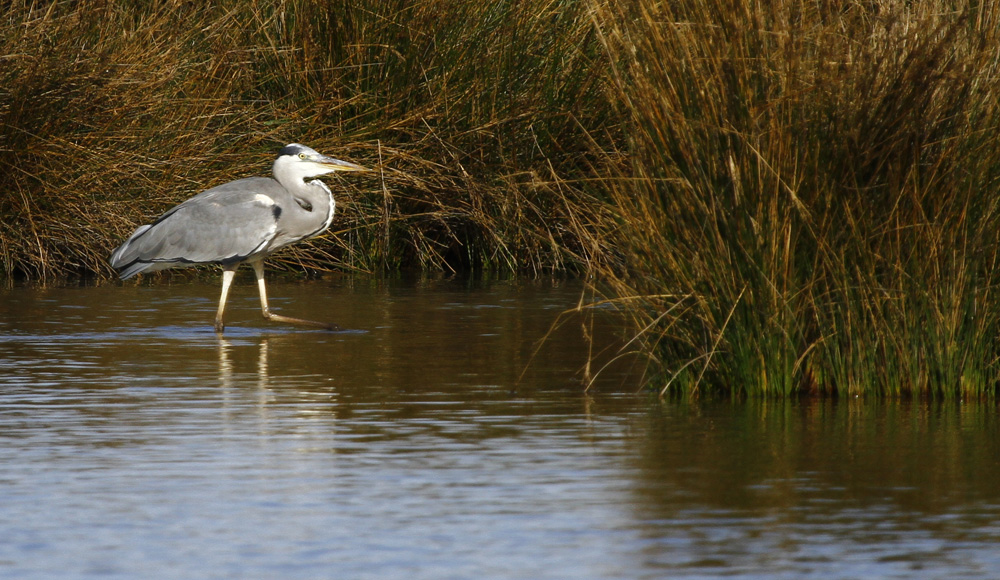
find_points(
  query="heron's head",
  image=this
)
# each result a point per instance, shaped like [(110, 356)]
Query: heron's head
[(300, 162)]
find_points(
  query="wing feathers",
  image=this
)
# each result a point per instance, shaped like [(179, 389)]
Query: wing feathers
[(222, 225)]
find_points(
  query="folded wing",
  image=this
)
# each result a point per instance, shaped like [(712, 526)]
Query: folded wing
[(225, 225)]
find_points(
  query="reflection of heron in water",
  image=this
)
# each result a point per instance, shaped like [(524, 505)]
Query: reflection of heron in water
[(240, 221), (226, 365)]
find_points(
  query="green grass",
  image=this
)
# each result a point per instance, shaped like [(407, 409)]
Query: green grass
[(783, 198)]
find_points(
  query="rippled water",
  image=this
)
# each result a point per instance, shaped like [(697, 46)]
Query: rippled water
[(136, 443)]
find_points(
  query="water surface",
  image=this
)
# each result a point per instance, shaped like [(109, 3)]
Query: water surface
[(135, 442)]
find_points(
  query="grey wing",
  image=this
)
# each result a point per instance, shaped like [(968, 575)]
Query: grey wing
[(225, 224)]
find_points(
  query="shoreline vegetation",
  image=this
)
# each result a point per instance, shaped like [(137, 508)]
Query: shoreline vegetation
[(783, 198)]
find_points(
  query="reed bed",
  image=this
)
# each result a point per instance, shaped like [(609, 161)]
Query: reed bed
[(783, 198), (111, 112), (810, 200)]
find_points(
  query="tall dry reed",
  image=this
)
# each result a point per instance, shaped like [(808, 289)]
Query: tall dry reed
[(810, 203), (110, 112)]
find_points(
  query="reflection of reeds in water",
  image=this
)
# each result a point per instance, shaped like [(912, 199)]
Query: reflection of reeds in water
[(771, 456), (785, 196)]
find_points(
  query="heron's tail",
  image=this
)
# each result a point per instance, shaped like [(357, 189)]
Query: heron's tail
[(126, 260)]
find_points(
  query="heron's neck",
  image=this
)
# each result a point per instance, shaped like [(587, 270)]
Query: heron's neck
[(313, 191), (324, 201), (316, 195)]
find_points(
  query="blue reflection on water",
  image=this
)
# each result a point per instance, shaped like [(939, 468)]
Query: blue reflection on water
[(135, 446)]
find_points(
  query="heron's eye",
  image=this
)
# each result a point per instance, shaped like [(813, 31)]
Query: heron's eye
[(302, 156)]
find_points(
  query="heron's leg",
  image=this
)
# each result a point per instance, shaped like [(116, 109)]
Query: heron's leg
[(227, 279), (258, 270)]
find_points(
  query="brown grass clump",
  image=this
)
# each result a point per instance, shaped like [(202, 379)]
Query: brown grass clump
[(811, 202), (111, 112)]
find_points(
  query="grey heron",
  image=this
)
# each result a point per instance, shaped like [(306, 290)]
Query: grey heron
[(240, 221)]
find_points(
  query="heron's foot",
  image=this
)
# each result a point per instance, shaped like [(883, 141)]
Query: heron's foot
[(219, 326), (324, 325)]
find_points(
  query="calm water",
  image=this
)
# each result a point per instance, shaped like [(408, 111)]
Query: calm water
[(135, 443)]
